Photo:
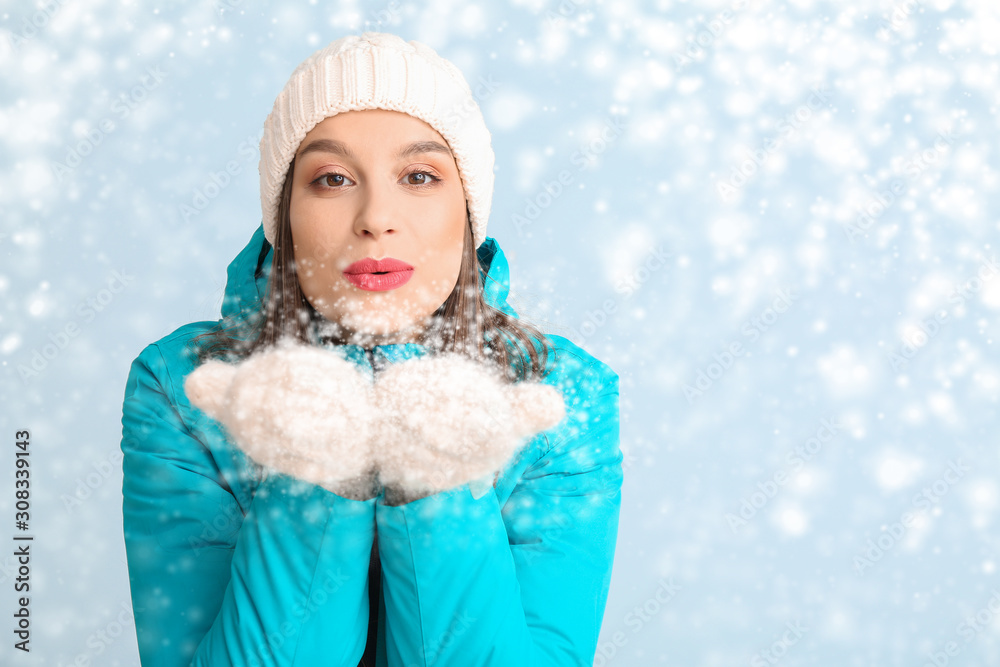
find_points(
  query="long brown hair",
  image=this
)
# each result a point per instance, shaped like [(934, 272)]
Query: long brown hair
[(464, 323)]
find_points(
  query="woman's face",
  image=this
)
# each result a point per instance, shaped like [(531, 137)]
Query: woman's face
[(376, 184)]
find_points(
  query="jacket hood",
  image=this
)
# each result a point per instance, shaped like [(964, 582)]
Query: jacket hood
[(247, 276)]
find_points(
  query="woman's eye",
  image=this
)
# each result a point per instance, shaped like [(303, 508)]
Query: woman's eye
[(330, 180), (424, 178), (334, 181)]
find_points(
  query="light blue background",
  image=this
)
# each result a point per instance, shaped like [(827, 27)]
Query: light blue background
[(642, 258)]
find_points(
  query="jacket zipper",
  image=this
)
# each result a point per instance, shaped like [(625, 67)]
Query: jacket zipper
[(371, 360)]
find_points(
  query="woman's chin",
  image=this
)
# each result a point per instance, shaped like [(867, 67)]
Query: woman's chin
[(367, 329)]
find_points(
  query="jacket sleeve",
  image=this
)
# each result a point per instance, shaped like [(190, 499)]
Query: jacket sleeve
[(286, 584), (469, 583)]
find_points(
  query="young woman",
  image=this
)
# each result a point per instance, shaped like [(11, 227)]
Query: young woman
[(376, 182)]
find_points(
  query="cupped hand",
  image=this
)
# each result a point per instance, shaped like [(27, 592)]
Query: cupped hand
[(302, 410), (446, 420)]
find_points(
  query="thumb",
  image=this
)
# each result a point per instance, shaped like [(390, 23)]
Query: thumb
[(538, 406), (206, 386)]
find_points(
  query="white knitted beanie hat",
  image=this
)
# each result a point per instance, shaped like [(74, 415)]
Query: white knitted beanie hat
[(378, 70)]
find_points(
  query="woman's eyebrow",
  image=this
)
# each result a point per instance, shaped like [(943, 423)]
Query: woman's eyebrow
[(340, 148), (423, 147)]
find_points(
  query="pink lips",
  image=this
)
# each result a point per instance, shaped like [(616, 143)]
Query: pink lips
[(377, 275)]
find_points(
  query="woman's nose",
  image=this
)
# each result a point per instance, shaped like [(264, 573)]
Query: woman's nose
[(376, 214)]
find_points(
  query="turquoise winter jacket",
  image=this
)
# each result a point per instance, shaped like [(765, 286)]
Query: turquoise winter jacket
[(232, 565)]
